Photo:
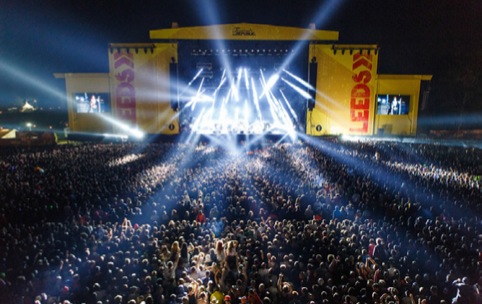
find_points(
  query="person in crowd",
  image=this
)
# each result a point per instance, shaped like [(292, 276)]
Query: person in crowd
[(465, 292)]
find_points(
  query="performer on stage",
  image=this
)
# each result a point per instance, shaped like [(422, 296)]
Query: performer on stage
[(94, 105)]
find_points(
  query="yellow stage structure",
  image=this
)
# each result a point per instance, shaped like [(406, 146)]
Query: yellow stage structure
[(348, 96)]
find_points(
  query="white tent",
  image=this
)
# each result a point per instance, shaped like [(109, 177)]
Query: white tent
[(27, 107)]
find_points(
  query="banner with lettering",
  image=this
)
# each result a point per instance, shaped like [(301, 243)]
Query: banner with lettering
[(140, 86), (123, 75), (346, 84)]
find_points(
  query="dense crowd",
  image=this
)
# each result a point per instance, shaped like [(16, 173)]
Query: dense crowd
[(321, 222)]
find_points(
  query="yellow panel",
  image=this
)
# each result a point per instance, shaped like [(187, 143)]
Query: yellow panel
[(317, 122), (78, 83), (140, 86), (167, 119), (400, 85), (147, 87), (394, 125), (346, 88), (243, 31), (88, 123), (123, 90)]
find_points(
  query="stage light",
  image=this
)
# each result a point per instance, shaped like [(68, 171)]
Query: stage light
[(256, 101), (246, 114), (133, 131), (27, 78), (223, 80), (199, 92), (246, 82), (196, 76), (271, 82), (297, 89), (300, 80), (293, 113), (138, 133)]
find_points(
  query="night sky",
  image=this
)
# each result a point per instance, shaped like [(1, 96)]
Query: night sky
[(38, 38)]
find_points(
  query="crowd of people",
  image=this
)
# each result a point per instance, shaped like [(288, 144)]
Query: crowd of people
[(307, 222)]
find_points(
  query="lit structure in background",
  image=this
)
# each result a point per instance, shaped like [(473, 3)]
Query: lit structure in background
[(245, 79)]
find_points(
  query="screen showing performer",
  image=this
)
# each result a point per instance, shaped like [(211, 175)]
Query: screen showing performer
[(87, 102), (393, 104)]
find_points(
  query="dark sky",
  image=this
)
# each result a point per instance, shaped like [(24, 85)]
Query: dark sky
[(38, 38)]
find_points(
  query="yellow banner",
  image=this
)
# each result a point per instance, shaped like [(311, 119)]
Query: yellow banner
[(346, 83), (123, 76), (140, 85)]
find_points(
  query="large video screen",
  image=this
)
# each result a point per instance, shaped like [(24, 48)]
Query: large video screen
[(392, 104), (91, 102)]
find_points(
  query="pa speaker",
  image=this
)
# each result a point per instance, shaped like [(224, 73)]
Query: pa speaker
[(173, 86), (312, 78)]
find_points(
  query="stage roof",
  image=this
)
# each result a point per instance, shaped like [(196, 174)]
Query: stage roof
[(243, 31)]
